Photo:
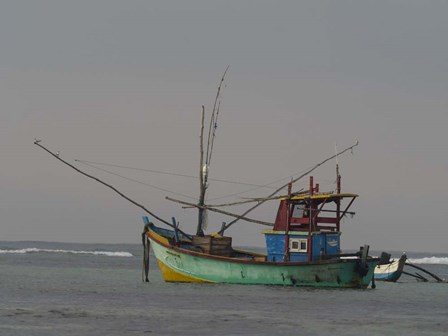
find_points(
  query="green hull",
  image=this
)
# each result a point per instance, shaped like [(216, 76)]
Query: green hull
[(181, 265)]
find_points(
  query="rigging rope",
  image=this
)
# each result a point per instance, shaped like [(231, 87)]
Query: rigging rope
[(136, 181), (173, 174)]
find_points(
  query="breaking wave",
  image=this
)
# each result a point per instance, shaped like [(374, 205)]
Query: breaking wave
[(430, 260), (37, 250)]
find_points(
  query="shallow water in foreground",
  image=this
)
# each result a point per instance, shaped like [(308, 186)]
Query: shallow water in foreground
[(84, 289)]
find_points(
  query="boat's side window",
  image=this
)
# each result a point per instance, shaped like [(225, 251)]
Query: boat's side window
[(303, 245), (298, 245)]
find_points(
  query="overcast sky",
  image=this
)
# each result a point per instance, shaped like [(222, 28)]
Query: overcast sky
[(123, 82)]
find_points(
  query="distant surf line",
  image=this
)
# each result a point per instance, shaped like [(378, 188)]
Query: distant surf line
[(429, 260), (38, 250)]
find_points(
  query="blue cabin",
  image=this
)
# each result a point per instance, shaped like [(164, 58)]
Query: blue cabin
[(307, 226)]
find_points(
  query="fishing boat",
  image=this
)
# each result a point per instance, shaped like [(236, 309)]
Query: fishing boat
[(389, 270), (303, 249), (302, 244)]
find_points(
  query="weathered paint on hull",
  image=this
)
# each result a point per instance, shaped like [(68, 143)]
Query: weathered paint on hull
[(177, 266)]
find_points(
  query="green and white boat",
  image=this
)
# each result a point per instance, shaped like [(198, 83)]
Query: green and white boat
[(302, 245), (302, 249)]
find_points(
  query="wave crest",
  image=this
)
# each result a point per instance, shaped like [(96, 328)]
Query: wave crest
[(37, 250), (430, 260)]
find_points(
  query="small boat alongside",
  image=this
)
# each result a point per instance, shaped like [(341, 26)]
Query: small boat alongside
[(389, 270)]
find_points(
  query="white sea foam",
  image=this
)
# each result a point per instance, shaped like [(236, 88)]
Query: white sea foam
[(430, 260), (37, 250)]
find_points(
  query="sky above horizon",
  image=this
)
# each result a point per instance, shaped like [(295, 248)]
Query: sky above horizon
[(122, 83)]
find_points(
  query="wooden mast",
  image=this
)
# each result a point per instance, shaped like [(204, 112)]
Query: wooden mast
[(204, 164), (203, 186)]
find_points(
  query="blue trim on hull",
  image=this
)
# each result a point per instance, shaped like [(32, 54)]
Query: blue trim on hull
[(392, 276)]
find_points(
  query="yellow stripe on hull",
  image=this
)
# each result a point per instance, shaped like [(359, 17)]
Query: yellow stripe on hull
[(171, 275)]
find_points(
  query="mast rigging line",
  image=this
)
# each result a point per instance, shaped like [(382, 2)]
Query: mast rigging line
[(252, 200), (87, 162), (238, 193), (134, 180), (93, 164), (37, 143), (268, 185)]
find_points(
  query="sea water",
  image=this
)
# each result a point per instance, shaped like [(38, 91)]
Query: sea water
[(84, 289)]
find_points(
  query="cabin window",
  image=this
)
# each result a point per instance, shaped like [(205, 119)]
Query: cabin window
[(300, 210), (298, 245)]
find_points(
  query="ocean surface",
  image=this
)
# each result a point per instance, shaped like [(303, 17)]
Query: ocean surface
[(96, 289)]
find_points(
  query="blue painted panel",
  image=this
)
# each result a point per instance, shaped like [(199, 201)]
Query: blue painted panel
[(275, 247), (333, 245), (318, 245), (322, 243), (325, 243)]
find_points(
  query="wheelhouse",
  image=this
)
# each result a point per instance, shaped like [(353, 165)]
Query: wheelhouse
[(307, 226)]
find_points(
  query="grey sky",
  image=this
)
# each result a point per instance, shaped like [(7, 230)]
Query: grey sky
[(123, 82)]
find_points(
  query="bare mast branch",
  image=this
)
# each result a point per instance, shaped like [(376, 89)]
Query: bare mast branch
[(214, 120)]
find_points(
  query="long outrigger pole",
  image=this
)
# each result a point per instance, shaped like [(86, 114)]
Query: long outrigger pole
[(427, 272), (37, 143)]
